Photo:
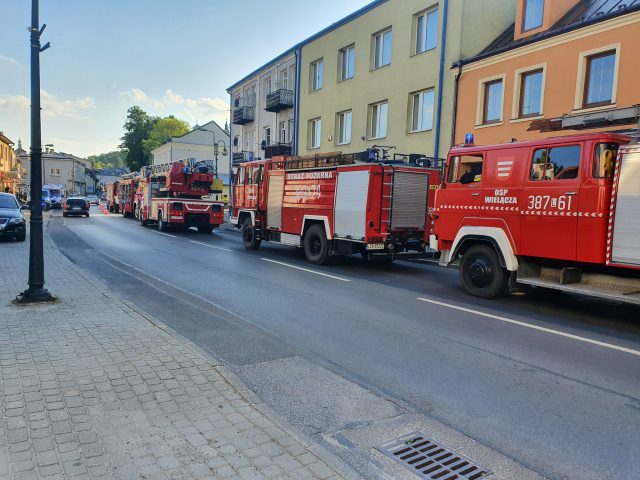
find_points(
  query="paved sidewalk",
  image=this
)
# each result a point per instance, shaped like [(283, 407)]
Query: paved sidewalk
[(91, 387)]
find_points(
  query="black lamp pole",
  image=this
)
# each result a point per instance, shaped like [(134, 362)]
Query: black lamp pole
[(36, 292)]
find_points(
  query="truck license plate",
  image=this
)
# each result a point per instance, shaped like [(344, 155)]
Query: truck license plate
[(375, 246)]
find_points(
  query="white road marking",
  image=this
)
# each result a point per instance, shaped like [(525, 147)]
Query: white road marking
[(534, 327), (306, 270), (211, 246), (161, 233)]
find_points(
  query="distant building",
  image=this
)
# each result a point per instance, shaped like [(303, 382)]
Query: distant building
[(199, 144), (9, 169), (109, 175), (560, 67), (65, 169)]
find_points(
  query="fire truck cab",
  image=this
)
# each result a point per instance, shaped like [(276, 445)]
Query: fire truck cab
[(562, 213), (332, 205), (113, 203)]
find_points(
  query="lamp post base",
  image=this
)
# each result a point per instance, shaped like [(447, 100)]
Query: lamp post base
[(40, 295)]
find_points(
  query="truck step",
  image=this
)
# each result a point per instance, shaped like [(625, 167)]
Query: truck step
[(625, 290)]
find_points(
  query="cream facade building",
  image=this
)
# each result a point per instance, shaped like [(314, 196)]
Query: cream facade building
[(9, 171), (382, 76)]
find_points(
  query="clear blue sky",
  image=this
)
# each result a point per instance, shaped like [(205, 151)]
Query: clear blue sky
[(169, 56)]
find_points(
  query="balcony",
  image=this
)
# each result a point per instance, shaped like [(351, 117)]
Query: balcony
[(240, 157), (279, 100), (277, 150), (243, 115)]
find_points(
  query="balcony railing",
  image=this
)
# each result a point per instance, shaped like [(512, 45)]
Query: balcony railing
[(277, 150), (240, 157), (281, 99), (243, 115)]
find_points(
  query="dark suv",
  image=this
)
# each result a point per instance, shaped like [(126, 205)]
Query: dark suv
[(75, 206), (12, 223)]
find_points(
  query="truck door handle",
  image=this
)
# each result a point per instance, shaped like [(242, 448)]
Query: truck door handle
[(571, 194), (475, 194)]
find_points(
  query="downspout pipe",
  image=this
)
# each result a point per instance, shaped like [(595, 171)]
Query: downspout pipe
[(454, 115), (443, 49), (296, 107)]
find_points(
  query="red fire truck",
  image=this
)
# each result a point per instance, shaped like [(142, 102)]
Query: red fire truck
[(127, 189), (113, 203), (563, 213), (171, 195), (331, 205)]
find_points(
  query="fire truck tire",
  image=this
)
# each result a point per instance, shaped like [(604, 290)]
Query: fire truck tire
[(250, 238), (316, 245), (143, 222), (481, 273), (205, 229), (162, 226)]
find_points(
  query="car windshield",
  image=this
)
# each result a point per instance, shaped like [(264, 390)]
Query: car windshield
[(8, 202), (78, 202)]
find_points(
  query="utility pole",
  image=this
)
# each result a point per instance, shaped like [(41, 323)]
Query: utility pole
[(36, 293)]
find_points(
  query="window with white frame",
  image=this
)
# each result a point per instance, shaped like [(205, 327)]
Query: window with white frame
[(284, 79), (426, 31), (492, 101), (315, 132), (290, 131), (422, 111), (381, 47), (55, 172), (347, 58), (267, 88), (267, 135), (344, 127), (599, 79), (283, 132), (317, 75), (530, 101), (378, 113)]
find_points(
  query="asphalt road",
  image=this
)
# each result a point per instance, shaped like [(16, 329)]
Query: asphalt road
[(351, 354)]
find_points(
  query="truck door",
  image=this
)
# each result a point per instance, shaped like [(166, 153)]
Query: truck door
[(238, 188), (549, 226)]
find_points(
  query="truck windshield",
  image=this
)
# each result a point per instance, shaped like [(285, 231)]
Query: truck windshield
[(604, 160)]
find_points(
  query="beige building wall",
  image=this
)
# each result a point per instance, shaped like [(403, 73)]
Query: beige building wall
[(471, 26), (9, 176)]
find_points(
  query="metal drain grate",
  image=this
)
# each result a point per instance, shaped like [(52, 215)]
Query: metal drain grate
[(431, 461)]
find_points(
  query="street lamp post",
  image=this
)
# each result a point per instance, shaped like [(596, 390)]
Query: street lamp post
[(36, 293)]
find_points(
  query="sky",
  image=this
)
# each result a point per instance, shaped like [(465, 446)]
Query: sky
[(170, 57)]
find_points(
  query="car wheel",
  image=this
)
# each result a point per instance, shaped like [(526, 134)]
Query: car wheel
[(250, 238), (21, 237), (481, 273), (316, 245), (64, 215)]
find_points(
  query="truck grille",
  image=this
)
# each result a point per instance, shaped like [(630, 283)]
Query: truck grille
[(409, 203), (431, 461)]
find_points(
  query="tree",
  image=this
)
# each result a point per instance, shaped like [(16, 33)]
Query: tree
[(162, 131), (115, 159), (136, 129)]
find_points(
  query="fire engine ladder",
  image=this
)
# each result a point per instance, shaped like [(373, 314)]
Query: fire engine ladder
[(386, 192), (333, 159)]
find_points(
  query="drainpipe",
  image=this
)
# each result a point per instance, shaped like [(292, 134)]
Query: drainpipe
[(296, 107), (443, 44), (454, 116)]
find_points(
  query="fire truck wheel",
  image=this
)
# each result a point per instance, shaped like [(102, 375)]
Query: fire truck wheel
[(143, 222), (316, 245), (207, 229), (481, 273), (162, 226), (250, 239)]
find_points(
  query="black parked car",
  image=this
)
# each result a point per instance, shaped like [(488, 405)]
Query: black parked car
[(76, 206), (12, 223)]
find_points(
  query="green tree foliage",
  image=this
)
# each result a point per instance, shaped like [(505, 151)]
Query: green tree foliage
[(136, 130), (115, 159), (162, 130)]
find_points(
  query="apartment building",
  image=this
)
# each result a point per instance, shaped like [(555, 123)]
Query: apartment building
[(382, 75), (563, 66), (9, 171), (262, 110), (73, 172)]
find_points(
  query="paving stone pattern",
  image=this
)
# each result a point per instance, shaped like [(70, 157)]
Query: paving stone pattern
[(91, 387)]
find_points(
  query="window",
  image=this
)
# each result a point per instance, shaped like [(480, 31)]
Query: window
[(55, 172), (344, 128), (290, 132), (267, 135), (317, 75), (533, 12), (378, 116), (315, 132), (283, 132), (600, 72), (422, 111), (492, 102), (465, 169), (347, 65), (382, 49), (559, 163), (530, 94), (284, 79), (426, 31), (604, 160)]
